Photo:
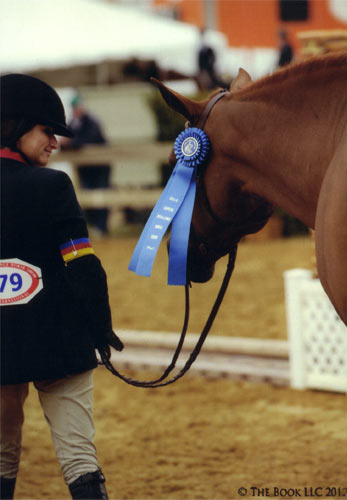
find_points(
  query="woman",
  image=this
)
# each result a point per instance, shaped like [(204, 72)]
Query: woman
[(50, 330)]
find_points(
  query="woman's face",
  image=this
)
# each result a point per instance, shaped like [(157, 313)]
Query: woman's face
[(38, 144)]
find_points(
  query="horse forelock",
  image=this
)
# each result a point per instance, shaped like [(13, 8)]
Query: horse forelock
[(307, 68)]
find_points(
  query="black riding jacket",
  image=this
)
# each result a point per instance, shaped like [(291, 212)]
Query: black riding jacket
[(55, 333)]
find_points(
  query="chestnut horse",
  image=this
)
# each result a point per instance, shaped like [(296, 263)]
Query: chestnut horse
[(280, 141)]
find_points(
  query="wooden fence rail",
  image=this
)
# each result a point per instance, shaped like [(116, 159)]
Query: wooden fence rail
[(137, 197), (158, 152), (116, 198)]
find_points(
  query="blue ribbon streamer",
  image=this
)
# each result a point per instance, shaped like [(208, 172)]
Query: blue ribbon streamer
[(180, 230), (175, 206)]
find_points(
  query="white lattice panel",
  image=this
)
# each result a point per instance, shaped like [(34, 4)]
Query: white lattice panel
[(317, 336)]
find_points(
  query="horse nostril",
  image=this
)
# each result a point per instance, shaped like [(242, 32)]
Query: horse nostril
[(203, 249)]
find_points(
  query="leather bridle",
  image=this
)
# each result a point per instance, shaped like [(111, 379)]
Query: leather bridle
[(200, 123), (160, 382), (248, 225)]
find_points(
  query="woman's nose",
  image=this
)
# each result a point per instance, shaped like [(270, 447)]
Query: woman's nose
[(54, 142)]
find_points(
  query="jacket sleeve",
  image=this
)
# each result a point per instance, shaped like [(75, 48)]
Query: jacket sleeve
[(87, 279), (83, 271)]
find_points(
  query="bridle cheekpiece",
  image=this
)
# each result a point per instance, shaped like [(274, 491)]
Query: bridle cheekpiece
[(175, 205)]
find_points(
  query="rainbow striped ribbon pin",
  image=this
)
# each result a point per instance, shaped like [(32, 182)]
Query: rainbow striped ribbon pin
[(73, 249)]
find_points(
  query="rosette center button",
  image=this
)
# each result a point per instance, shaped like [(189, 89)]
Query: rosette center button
[(189, 146)]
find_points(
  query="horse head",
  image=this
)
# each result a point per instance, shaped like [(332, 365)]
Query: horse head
[(224, 210)]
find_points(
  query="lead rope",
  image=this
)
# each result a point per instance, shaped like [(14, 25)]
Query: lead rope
[(194, 354)]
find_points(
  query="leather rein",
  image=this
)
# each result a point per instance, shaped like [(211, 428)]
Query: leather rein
[(160, 381)]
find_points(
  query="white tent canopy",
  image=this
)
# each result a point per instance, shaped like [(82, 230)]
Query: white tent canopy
[(45, 34)]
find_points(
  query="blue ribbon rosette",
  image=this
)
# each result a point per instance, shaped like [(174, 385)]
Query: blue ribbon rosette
[(175, 207)]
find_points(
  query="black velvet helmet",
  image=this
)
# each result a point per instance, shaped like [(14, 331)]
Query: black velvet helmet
[(23, 96)]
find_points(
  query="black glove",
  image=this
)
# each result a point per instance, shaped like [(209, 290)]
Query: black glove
[(108, 340), (114, 341)]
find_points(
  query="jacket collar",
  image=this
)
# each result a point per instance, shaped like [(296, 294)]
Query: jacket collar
[(12, 155)]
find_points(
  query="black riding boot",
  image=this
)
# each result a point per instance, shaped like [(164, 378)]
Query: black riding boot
[(7, 488), (90, 486)]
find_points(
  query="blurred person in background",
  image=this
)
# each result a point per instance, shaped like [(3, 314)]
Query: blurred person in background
[(50, 338), (286, 52), (87, 130), (207, 77)]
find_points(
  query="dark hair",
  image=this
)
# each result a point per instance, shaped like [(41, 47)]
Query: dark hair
[(12, 129)]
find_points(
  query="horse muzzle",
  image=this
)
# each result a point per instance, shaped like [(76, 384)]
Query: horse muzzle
[(201, 261), (200, 273), (200, 266)]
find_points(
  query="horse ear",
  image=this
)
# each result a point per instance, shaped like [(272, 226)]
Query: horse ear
[(187, 107), (241, 81)]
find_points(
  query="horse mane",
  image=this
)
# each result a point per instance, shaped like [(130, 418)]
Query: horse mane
[(304, 68)]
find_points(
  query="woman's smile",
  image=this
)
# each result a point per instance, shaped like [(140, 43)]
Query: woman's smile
[(38, 144)]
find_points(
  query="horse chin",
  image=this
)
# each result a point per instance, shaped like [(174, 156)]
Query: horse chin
[(201, 275), (200, 272)]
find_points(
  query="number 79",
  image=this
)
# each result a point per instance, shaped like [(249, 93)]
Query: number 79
[(15, 281)]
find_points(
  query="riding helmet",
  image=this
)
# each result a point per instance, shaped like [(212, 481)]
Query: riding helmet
[(23, 96)]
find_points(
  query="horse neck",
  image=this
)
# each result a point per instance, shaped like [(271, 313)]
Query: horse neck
[(283, 138)]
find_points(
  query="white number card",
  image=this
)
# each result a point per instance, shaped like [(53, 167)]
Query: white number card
[(19, 282)]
